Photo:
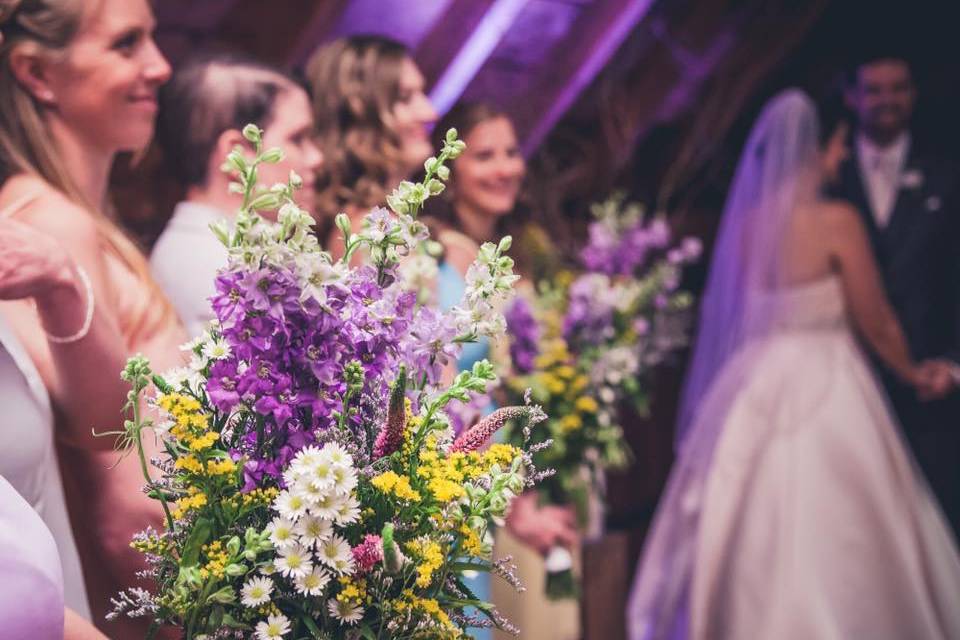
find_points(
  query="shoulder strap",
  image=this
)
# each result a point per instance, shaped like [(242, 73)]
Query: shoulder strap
[(17, 205)]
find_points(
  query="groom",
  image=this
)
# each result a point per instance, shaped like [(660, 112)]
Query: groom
[(908, 202)]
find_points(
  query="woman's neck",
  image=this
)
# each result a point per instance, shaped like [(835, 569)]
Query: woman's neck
[(480, 226), (88, 165)]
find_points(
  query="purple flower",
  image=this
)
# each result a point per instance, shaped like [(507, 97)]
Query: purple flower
[(524, 335)]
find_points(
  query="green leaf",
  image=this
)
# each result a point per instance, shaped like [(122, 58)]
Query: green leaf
[(367, 632), (312, 627), (198, 537)]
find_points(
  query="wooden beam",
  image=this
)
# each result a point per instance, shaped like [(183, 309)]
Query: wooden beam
[(483, 38), (315, 30), (580, 57), (447, 35)]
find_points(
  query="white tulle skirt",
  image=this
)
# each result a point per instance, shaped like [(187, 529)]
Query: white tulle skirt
[(795, 511)]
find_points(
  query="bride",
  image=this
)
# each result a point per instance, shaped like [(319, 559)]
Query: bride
[(794, 509)]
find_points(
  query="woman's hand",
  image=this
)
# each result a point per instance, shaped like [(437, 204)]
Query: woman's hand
[(32, 264), (541, 528)]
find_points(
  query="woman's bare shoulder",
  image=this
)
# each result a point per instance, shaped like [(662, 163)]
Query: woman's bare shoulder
[(48, 210)]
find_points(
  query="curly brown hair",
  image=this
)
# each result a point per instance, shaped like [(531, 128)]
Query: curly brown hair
[(355, 83)]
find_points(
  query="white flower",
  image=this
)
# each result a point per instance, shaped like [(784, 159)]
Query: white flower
[(337, 455), (216, 349), (345, 479), (313, 492), (291, 505), (281, 532), (294, 561), (336, 554), (256, 591), (348, 511), (275, 627), (345, 611), (313, 583), (313, 530), (305, 459), (327, 507)]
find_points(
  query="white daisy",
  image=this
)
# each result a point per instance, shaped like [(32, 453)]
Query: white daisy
[(345, 611), (336, 554), (311, 491), (348, 511), (274, 627), (216, 349), (305, 459), (345, 479), (281, 532), (256, 592), (313, 583), (295, 561), (291, 505), (326, 507), (321, 474), (313, 530), (337, 455)]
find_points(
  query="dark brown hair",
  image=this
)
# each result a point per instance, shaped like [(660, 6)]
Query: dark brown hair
[(212, 93)]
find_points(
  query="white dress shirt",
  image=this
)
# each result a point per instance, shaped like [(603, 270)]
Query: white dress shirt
[(185, 261), (881, 169)]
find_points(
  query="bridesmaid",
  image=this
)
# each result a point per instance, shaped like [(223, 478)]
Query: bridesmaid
[(373, 123), (78, 84), (481, 205)]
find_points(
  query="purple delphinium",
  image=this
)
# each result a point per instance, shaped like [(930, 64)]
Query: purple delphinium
[(524, 333), (285, 371), (623, 251), (589, 316)]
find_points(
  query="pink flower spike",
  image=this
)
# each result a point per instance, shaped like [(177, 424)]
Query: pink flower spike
[(390, 437), (477, 435)]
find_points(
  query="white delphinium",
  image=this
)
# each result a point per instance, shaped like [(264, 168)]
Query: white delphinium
[(313, 583), (273, 627), (419, 273), (294, 561), (256, 591), (346, 611), (336, 554)]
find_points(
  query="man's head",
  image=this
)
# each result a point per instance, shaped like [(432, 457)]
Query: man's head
[(880, 91), (208, 102)]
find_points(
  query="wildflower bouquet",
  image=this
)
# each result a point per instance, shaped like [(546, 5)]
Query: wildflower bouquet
[(583, 347), (311, 484)]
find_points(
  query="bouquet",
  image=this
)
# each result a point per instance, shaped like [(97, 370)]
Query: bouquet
[(583, 347), (311, 484)]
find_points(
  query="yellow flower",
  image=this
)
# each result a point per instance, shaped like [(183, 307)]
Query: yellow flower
[(565, 371), (430, 554), (570, 422), (586, 404), (390, 483), (189, 463), (205, 441)]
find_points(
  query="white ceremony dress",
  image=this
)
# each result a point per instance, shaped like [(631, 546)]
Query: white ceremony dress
[(810, 520), (28, 460)]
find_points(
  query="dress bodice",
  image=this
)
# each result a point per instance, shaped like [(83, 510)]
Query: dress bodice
[(813, 306)]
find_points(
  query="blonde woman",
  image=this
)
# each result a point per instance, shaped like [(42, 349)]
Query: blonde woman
[(78, 84), (373, 123)]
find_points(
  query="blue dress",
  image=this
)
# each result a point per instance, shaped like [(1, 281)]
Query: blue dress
[(450, 288)]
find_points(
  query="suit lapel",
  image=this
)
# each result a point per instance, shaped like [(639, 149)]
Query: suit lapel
[(855, 190)]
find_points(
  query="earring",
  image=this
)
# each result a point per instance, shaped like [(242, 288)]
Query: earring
[(46, 95)]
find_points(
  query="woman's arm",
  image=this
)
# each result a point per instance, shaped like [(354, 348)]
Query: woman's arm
[(36, 264), (871, 311), (76, 628)]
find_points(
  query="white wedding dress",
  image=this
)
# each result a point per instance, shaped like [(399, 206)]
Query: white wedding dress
[(809, 519)]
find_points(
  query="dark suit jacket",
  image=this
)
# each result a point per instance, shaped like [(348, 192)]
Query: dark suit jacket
[(918, 254)]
